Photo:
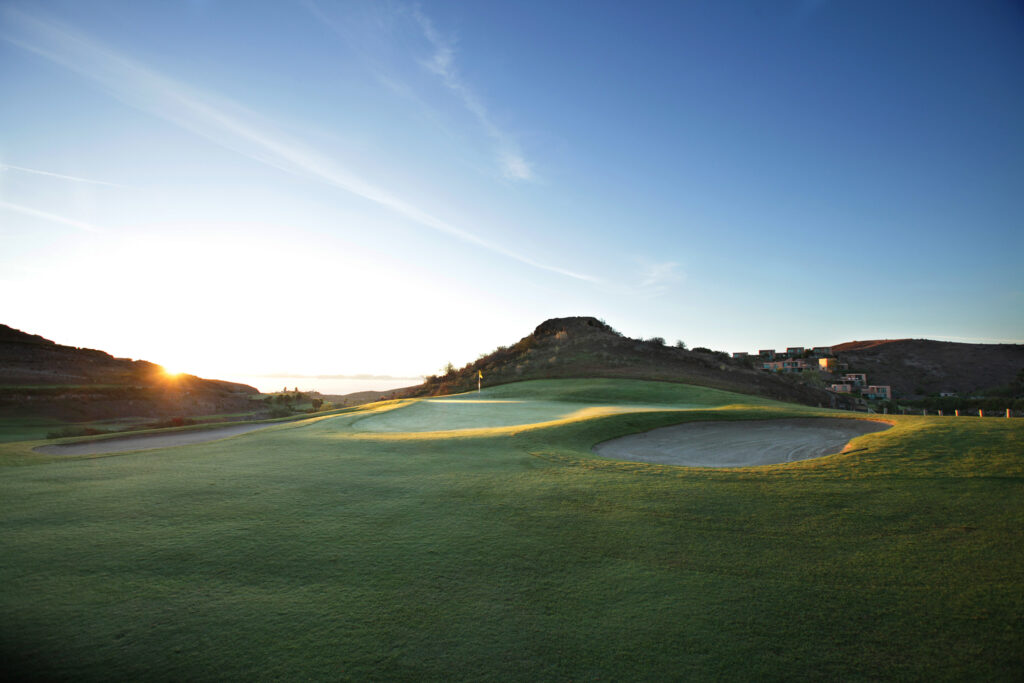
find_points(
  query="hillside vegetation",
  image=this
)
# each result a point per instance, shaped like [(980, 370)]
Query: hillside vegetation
[(587, 347)]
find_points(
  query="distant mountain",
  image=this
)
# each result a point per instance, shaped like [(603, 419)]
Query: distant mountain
[(358, 398), (41, 378), (588, 347), (918, 367)]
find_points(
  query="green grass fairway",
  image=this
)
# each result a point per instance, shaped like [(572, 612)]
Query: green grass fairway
[(461, 546)]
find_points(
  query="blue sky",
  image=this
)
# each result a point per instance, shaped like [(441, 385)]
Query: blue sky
[(233, 188)]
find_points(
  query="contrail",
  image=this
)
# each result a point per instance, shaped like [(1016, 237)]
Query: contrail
[(221, 121), (36, 213), (58, 175)]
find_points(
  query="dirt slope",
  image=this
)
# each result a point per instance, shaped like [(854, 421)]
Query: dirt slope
[(916, 367)]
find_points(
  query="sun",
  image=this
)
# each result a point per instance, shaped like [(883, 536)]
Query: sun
[(171, 372)]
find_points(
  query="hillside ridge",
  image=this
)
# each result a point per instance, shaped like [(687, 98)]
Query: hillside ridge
[(865, 344), (39, 377), (585, 346)]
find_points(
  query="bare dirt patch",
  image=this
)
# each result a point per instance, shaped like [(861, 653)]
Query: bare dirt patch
[(747, 443), (147, 441)]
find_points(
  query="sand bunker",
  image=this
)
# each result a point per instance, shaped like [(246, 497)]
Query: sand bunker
[(739, 444), (147, 441)]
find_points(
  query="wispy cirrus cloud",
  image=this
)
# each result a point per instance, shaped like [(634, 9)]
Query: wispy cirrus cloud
[(219, 120), (442, 64), (46, 215), (60, 176), (658, 276)]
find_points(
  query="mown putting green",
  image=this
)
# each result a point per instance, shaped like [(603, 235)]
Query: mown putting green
[(542, 402), (509, 407), (508, 552), (450, 415)]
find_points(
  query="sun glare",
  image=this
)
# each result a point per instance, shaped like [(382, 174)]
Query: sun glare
[(171, 372)]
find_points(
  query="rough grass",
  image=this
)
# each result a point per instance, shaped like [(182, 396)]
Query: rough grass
[(313, 552), (27, 428)]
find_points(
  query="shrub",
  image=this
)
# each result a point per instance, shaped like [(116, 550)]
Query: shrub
[(610, 328), (170, 422), (524, 344)]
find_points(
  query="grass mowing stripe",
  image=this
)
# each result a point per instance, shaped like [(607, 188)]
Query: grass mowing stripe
[(311, 553)]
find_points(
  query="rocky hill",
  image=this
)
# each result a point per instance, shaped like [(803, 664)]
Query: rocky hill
[(919, 367), (587, 347), (41, 378)]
